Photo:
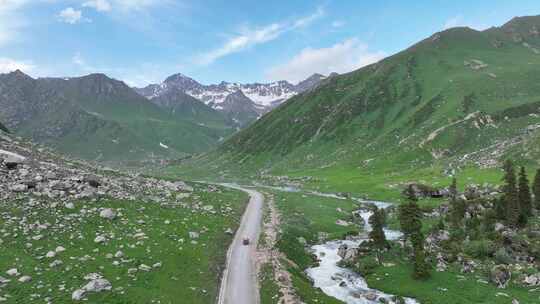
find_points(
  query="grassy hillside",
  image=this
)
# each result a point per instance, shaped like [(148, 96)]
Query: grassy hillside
[(99, 118), (457, 99)]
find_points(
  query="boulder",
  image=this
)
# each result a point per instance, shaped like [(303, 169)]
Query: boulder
[(25, 279), (93, 181), (12, 272), (347, 253), (96, 284), (18, 188), (500, 275), (108, 213), (532, 280)]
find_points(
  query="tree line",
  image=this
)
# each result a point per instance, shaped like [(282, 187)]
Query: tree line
[(514, 207)]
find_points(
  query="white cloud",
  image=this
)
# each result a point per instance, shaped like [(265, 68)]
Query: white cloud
[(70, 15), (342, 57), (305, 21), (9, 65), (247, 39), (99, 5), (251, 37)]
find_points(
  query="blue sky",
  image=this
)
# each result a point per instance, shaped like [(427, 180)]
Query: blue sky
[(144, 41)]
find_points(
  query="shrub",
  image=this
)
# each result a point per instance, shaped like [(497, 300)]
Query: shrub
[(502, 256), (367, 265), (480, 249)]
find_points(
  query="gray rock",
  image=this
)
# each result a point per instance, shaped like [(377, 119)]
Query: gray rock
[(500, 275), (25, 279), (108, 213), (19, 188)]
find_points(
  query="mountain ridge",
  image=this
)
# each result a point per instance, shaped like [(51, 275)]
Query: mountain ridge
[(440, 101), (97, 117), (265, 96)]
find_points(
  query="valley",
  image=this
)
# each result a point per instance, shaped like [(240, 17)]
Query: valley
[(410, 179)]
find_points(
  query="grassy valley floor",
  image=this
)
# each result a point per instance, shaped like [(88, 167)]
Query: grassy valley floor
[(305, 218), (151, 252)]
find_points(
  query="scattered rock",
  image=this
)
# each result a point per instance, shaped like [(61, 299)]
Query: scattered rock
[(108, 213), (500, 275), (25, 279)]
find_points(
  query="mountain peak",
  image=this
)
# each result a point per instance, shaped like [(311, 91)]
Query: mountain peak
[(179, 77), (19, 74), (311, 82)]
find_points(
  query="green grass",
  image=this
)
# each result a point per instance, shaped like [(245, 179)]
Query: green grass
[(460, 288), (189, 271), (304, 216), (269, 290), (364, 131)]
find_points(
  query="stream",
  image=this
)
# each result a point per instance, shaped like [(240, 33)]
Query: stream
[(342, 283)]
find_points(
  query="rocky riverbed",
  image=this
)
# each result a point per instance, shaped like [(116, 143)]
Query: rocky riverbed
[(342, 283)]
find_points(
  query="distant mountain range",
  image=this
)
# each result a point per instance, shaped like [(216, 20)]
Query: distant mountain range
[(241, 102), (99, 118)]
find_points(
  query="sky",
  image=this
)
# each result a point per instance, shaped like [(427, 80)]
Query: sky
[(144, 41)]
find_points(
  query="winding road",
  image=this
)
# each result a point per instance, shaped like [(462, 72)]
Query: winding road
[(239, 284)]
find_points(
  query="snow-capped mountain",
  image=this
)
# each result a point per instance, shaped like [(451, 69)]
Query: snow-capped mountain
[(267, 95), (246, 101)]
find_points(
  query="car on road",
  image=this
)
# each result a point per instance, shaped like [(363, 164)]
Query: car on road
[(245, 241)]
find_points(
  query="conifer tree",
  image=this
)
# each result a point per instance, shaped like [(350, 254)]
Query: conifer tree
[(410, 219), (457, 212), (524, 195), (453, 189), (499, 208), (376, 220), (510, 195), (410, 214), (457, 206), (536, 190), (421, 267)]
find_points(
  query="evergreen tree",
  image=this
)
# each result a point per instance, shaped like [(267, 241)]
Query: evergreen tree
[(524, 195), (410, 219), (376, 220), (410, 215), (499, 208), (457, 212), (453, 189), (510, 195), (421, 267), (536, 190)]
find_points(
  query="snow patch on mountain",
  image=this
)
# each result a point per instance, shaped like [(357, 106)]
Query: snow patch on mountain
[(264, 95)]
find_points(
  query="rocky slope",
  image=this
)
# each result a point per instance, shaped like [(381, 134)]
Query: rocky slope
[(264, 97), (241, 109), (3, 128), (71, 231), (96, 117), (30, 169), (458, 97)]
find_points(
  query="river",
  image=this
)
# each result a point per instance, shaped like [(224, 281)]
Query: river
[(338, 282)]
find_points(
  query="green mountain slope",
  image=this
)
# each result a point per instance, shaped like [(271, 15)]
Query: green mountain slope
[(458, 97), (96, 117)]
